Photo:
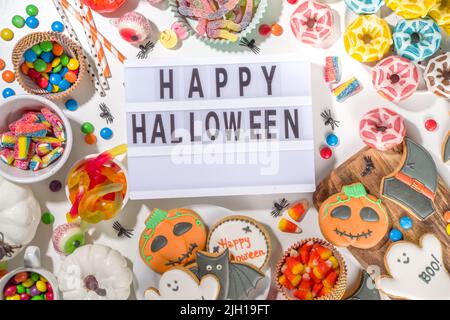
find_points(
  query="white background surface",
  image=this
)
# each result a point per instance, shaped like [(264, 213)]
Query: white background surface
[(416, 110)]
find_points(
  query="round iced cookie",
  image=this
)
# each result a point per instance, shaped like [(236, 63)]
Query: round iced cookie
[(437, 75), (382, 129), (395, 78), (312, 23), (368, 38), (364, 6), (411, 9), (441, 12), (417, 39)]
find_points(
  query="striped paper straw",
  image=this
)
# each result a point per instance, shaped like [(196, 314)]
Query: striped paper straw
[(108, 45), (73, 35), (94, 52), (98, 45)]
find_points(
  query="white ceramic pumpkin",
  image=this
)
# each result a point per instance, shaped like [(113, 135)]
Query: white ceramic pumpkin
[(95, 272), (20, 214)]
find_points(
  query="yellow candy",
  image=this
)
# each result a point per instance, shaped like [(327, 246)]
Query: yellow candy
[(168, 39), (29, 64), (55, 88), (56, 62), (73, 64), (28, 283), (45, 75), (441, 12), (368, 38), (448, 229), (411, 9), (43, 279), (41, 286), (15, 297)]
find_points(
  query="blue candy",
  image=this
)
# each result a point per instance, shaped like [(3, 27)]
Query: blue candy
[(8, 92), (71, 105), (32, 22), (406, 222), (57, 26), (332, 140), (106, 133), (30, 56), (55, 79), (63, 71), (64, 85), (395, 235), (47, 56), (49, 87), (364, 6)]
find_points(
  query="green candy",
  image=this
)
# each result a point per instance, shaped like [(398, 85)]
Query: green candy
[(38, 298), (35, 277), (27, 290), (20, 289), (65, 60), (32, 10), (37, 49), (57, 68), (87, 128), (18, 21), (47, 218), (40, 65), (46, 46)]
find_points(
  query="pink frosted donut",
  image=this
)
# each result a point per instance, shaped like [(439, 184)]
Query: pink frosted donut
[(312, 22), (395, 78), (382, 129), (134, 27)]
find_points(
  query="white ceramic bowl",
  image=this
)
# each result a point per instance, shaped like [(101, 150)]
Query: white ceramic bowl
[(11, 110)]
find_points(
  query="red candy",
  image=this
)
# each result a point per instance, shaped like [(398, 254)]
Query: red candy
[(42, 82), (326, 153), (431, 125), (292, 1), (265, 30)]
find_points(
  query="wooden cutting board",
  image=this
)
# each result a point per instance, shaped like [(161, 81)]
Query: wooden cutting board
[(386, 163)]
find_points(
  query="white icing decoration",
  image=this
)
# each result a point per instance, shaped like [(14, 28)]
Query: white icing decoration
[(418, 273), (181, 284), (248, 247)]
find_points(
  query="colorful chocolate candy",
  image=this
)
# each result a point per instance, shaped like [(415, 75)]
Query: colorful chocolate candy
[(28, 286)]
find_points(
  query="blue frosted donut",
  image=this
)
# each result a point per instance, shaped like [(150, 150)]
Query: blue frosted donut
[(364, 6), (417, 39)]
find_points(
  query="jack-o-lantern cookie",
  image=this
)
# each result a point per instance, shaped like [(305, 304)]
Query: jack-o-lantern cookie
[(171, 238), (353, 218)]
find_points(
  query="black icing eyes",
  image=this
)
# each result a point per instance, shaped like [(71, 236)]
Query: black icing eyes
[(158, 243), (181, 228), (369, 215), (341, 212)]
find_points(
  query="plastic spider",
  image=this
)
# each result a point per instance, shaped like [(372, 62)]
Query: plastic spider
[(369, 166), (145, 50), (6, 250), (329, 120), (250, 44), (121, 231), (279, 207), (106, 113)]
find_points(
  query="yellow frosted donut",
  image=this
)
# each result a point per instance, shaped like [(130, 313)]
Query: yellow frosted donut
[(368, 38), (411, 9), (441, 12)]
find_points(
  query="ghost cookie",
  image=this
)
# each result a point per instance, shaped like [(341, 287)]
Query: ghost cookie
[(446, 148), (179, 283), (246, 239), (417, 272)]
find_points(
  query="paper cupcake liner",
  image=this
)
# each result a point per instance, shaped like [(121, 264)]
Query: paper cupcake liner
[(70, 47), (341, 284), (218, 43)]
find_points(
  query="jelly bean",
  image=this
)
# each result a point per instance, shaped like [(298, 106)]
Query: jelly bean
[(21, 277), (28, 283), (47, 218), (2, 64), (46, 46), (87, 128), (395, 235), (32, 10), (57, 69), (276, 30), (35, 276), (326, 153), (64, 85), (168, 39), (71, 105), (55, 186), (70, 76), (25, 296), (40, 65), (49, 296), (58, 49), (34, 291), (406, 222), (8, 92), (57, 26), (37, 49), (73, 64), (7, 34), (90, 138), (431, 125), (41, 286), (264, 30), (332, 140), (10, 291), (18, 21), (20, 289), (64, 60), (47, 56), (37, 298), (106, 133), (8, 76), (30, 55), (32, 22), (55, 78)]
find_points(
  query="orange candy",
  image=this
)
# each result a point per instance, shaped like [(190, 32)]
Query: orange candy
[(8, 76), (287, 226), (90, 138), (58, 49), (297, 210), (276, 29), (49, 68), (2, 64), (70, 76), (24, 68), (447, 217)]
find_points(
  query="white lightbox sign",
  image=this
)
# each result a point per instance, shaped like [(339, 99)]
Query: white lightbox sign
[(214, 128)]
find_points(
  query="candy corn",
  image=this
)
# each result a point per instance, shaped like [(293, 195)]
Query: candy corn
[(288, 226), (297, 210)]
